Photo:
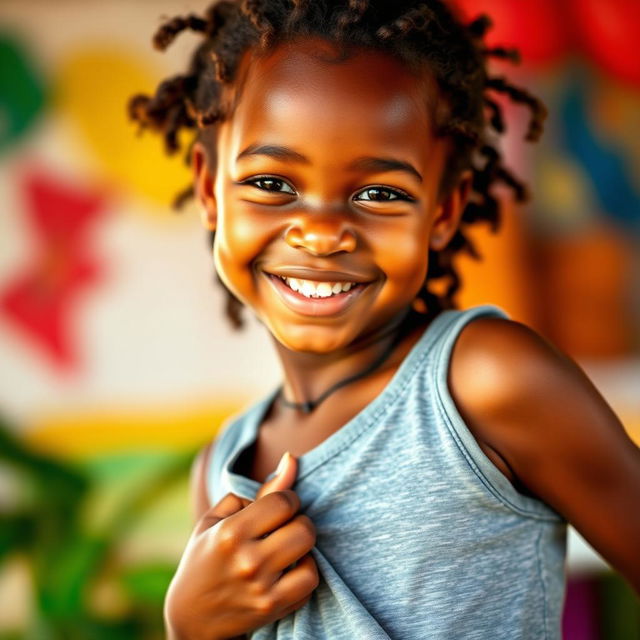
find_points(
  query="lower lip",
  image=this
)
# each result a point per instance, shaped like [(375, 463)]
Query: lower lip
[(330, 306)]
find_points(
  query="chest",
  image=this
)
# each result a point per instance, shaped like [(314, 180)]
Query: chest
[(298, 433), (284, 429)]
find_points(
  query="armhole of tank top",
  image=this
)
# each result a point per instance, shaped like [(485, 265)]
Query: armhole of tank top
[(484, 469)]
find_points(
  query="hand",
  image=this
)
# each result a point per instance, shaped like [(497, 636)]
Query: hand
[(233, 577)]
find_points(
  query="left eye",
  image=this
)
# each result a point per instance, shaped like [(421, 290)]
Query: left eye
[(382, 194), (275, 185)]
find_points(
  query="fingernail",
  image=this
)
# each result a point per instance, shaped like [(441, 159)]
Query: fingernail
[(282, 462)]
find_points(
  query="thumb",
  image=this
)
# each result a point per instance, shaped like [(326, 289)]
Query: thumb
[(285, 476)]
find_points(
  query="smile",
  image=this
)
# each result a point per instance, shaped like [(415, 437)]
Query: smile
[(315, 289), (316, 297)]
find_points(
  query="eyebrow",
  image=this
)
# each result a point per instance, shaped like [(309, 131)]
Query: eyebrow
[(368, 163), (273, 151), (365, 163)]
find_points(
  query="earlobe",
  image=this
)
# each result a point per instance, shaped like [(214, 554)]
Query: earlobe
[(449, 211), (203, 186)]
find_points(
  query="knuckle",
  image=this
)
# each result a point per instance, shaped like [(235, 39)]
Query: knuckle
[(258, 588), (266, 605), (284, 500), (247, 565), (227, 536)]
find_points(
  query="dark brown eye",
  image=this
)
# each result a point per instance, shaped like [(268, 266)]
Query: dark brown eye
[(275, 185), (381, 194)]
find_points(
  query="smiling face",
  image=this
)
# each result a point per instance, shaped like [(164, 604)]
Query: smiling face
[(324, 198)]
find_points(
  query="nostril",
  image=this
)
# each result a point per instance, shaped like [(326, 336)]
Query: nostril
[(321, 240), (293, 236), (348, 241)]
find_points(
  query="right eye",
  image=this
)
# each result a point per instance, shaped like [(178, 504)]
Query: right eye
[(270, 184)]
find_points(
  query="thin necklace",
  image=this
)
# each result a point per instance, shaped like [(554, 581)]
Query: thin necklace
[(310, 405)]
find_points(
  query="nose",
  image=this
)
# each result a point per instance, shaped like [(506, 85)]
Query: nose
[(321, 235)]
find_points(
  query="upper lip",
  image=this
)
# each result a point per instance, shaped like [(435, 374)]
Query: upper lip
[(319, 275)]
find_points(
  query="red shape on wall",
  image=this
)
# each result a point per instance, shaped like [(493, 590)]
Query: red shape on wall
[(608, 33), (40, 300), (537, 28)]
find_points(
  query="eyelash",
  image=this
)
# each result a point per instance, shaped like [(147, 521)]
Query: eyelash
[(399, 193)]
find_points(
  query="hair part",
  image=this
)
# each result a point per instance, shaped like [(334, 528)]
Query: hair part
[(418, 33)]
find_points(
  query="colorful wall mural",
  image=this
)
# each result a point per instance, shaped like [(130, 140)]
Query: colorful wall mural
[(116, 362)]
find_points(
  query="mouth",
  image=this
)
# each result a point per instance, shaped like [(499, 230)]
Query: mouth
[(316, 297)]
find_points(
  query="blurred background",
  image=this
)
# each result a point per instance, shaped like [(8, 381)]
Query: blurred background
[(116, 361)]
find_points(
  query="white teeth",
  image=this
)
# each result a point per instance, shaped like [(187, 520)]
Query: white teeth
[(313, 289), (307, 289), (323, 290)]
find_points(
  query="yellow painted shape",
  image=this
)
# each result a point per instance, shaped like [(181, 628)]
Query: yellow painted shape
[(92, 87), (82, 434)]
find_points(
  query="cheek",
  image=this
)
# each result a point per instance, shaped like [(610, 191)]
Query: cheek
[(241, 236), (402, 254)]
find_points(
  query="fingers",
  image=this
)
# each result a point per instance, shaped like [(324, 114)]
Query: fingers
[(298, 583), (269, 512), (229, 505), (288, 543)]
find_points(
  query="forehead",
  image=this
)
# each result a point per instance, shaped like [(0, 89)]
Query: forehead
[(300, 89)]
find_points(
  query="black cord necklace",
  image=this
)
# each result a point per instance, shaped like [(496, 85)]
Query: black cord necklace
[(310, 405)]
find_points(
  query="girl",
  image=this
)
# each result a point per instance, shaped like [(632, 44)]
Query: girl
[(342, 148)]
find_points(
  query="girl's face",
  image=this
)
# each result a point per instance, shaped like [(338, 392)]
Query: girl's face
[(327, 179)]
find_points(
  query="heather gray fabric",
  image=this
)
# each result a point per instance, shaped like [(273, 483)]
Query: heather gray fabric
[(419, 536)]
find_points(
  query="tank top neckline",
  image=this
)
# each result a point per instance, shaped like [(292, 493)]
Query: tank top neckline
[(348, 432)]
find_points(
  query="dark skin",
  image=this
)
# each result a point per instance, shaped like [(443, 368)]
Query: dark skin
[(308, 205)]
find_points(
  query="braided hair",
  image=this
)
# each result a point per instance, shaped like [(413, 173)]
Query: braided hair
[(417, 32)]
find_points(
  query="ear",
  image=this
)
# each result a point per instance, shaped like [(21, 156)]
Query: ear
[(449, 211), (203, 179)]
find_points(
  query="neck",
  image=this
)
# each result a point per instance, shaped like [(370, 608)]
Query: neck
[(308, 375)]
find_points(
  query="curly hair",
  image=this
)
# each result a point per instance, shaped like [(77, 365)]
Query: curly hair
[(417, 33)]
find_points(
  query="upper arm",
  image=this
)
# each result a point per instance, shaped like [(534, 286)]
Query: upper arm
[(198, 482), (541, 413)]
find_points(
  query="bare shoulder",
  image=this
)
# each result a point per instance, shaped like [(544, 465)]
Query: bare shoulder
[(495, 359), (514, 386), (498, 369)]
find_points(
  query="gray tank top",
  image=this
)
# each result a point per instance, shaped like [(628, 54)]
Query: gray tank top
[(419, 535)]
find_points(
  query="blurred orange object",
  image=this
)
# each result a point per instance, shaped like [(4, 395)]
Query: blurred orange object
[(584, 282)]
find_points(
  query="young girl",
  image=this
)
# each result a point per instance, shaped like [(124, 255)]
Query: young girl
[(432, 456)]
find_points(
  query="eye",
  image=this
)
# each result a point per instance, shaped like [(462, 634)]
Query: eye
[(382, 194), (271, 184)]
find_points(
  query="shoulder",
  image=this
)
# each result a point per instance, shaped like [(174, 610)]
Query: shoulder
[(511, 386), (500, 370), (497, 361), (533, 405)]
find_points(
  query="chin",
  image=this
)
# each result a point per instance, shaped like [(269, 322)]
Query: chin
[(310, 339)]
